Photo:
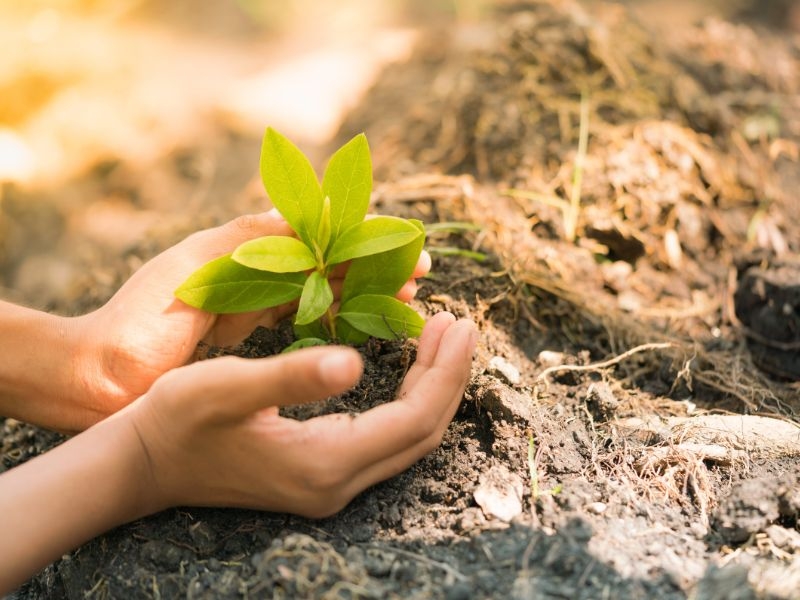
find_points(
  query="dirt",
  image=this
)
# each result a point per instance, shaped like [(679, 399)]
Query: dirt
[(591, 457)]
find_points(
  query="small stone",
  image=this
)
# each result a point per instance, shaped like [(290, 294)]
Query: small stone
[(597, 508), (499, 494), (550, 358), (503, 402), (500, 367)]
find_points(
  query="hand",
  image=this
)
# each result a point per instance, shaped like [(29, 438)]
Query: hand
[(144, 331), (212, 436), (209, 434)]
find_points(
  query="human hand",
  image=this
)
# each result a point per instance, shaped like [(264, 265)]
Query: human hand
[(144, 331), (209, 434), (212, 436)]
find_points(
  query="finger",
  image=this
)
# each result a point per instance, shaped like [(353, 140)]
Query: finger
[(232, 329), (340, 270), (166, 271), (217, 241), (423, 265), (408, 291), (428, 347), (234, 388), (393, 435), (398, 462), (431, 337)]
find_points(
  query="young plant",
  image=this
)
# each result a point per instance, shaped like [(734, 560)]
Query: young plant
[(570, 209), (533, 470), (331, 227)]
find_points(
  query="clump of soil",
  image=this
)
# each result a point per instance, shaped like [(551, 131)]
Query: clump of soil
[(588, 458)]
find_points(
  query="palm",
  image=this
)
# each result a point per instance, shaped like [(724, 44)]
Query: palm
[(144, 331)]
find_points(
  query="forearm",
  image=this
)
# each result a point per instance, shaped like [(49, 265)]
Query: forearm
[(43, 368), (57, 501)]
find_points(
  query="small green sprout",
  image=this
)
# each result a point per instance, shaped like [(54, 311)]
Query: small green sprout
[(571, 209), (533, 471), (329, 220)]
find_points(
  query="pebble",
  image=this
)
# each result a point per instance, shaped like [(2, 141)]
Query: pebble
[(597, 508), (500, 367), (550, 358)]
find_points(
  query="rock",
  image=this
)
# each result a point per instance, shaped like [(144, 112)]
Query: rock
[(502, 402), (499, 494), (597, 508), (550, 358), (500, 367)]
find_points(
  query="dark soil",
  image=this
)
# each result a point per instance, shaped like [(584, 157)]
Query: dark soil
[(577, 466)]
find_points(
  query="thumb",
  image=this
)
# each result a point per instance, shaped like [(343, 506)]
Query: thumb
[(217, 241), (234, 388)]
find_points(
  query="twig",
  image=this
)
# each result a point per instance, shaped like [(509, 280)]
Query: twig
[(605, 364), (424, 559)]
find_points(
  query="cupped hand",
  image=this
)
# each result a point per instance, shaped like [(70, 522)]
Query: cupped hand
[(212, 435), (144, 331)]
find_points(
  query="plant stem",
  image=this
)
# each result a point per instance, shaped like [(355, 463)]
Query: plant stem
[(331, 318)]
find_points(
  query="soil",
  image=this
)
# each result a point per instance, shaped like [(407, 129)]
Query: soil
[(631, 428)]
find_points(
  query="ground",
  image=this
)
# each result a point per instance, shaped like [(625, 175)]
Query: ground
[(616, 203)]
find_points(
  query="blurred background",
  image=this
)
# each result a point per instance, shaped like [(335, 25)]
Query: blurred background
[(121, 119)]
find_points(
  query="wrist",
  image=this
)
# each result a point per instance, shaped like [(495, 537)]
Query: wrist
[(52, 369), (94, 380), (58, 501), (41, 379)]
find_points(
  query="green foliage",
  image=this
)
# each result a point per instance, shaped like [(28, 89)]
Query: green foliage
[(332, 228), (225, 286)]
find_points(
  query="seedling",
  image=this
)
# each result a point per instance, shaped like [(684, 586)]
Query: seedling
[(570, 210), (533, 470), (329, 220)]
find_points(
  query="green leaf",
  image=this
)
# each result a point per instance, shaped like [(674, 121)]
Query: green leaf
[(276, 253), (385, 272), (382, 316), (304, 343), (372, 236), (348, 183), (347, 334), (225, 286), (291, 184), (316, 298)]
